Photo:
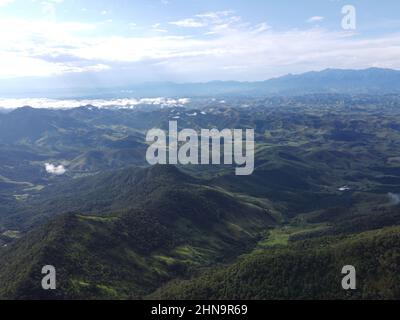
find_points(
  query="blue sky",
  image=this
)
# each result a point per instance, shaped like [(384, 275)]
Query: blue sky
[(121, 42)]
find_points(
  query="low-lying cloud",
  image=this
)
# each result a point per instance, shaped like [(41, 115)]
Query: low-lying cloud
[(394, 198), (100, 103), (56, 170)]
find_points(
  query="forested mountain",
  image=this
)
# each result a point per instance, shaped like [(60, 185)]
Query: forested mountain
[(303, 270), (156, 223), (77, 193)]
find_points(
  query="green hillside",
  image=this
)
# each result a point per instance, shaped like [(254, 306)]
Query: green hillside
[(303, 270), (178, 225)]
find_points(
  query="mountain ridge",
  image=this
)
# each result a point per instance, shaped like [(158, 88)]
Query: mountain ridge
[(350, 81)]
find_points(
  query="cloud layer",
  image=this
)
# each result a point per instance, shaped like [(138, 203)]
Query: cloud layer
[(211, 45), (100, 103)]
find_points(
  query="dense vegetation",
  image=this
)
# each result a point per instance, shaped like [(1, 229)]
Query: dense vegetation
[(169, 228), (325, 193), (303, 270)]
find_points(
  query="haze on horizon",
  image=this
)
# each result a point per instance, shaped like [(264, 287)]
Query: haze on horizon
[(70, 43)]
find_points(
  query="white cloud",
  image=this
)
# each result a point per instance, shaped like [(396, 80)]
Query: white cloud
[(262, 27), (215, 15), (46, 103), (56, 170), (316, 19), (188, 23), (44, 48), (5, 2), (24, 46), (157, 27), (394, 198), (215, 18)]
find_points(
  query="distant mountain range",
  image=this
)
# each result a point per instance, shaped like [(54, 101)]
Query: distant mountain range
[(372, 80)]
